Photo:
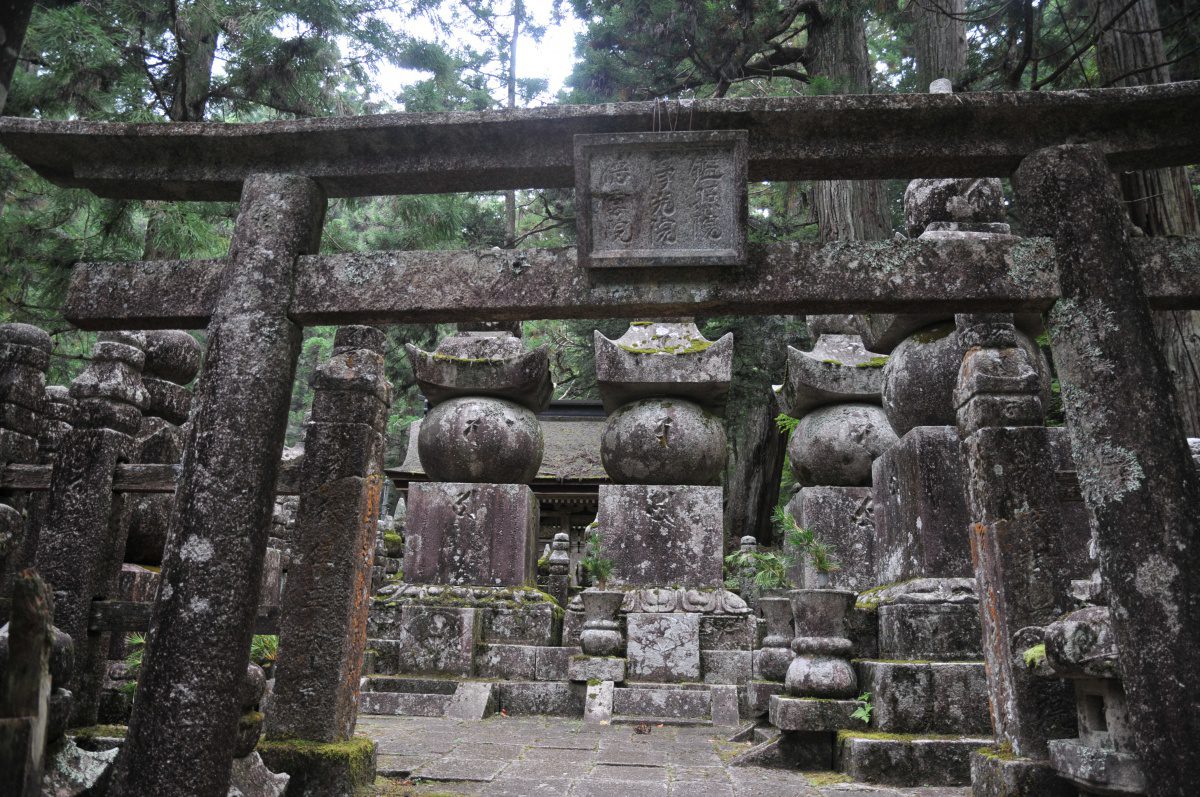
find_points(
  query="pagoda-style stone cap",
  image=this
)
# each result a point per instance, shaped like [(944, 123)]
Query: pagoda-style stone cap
[(484, 364), (25, 335), (664, 359), (838, 369), (964, 200), (883, 332)]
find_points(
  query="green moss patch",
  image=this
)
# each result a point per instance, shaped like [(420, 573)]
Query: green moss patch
[(819, 779), (907, 738), (322, 764), (100, 732), (874, 362), (1002, 753)]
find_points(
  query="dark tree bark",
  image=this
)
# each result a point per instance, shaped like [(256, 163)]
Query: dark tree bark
[(939, 39), (14, 19), (1159, 201), (846, 210)]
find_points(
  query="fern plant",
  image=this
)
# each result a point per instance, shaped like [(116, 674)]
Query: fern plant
[(863, 712)]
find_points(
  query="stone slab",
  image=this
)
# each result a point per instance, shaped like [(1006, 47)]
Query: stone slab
[(728, 632), (997, 775), (598, 704), (693, 704), (596, 668), (926, 697), (510, 662), (659, 535), (472, 701), (726, 704), (663, 648), (660, 199), (908, 761), (727, 666), (844, 519), (921, 508), (556, 699), (403, 704), (1096, 769), (433, 640), (811, 714), (551, 664), (533, 624), (465, 533), (759, 694), (937, 631)]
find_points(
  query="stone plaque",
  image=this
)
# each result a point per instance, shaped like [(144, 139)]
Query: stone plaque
[(661, 199)]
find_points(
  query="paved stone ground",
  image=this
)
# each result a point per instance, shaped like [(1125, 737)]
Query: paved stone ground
[(522, 756)]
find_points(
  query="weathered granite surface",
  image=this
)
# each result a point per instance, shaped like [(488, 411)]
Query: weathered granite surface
[(466, 533), (663, 648), (662, 534), (865, 136)]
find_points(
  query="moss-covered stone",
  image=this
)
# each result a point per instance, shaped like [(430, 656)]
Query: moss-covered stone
[(322, 769), (819, 779)]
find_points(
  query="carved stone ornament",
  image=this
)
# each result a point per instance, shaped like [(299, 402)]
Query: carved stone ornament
[(661, 199)]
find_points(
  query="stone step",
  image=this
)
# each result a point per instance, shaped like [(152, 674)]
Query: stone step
[(629, 719), (926, 696), (906, 759), (404, 704), (930, 632), (404, 683), (659, 704)]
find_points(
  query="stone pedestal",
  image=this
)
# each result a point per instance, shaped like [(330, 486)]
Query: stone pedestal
[(662, 534), (470, 533), (843, 518), (921, 508)]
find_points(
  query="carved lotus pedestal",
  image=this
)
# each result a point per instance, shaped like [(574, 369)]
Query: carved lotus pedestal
[(820, 680)]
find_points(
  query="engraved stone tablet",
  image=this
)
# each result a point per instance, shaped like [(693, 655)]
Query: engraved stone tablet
[(661, 199)]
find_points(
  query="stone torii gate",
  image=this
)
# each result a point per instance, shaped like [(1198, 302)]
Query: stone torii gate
[(1138, 479)]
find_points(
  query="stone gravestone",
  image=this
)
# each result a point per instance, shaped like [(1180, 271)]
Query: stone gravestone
[(660, 522), (660, 199)]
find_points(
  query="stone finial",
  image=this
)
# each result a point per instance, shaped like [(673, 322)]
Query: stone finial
[(942, 85), (748, 544), (560, 556), (24, 359), (485, 388), (172, 360), (998, 381), (958, 205), (109, 393), (656, 359), (494, 364), (839, 369), (351, 386)]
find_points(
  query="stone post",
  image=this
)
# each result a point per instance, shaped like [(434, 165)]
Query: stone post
[(184, 722), (82, 543), (25, 687), (1135, 471), (24, 358), (1022, 565), (323, 631), (560, 567)]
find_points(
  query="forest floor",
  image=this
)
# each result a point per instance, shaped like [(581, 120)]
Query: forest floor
[(524, 756)]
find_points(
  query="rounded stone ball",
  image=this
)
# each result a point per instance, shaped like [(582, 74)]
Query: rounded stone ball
[(820, 676), (480, 439), (836, 445), (920, 376), (663, 441), (252, 687), (172, 354), (26, 335)]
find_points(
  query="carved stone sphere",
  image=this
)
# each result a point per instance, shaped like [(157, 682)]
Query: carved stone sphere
[(172, 354), (479, 439), (919, 377), (663, 441), (836, 445)]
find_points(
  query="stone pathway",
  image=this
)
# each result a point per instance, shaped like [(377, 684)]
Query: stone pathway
[(522, 756)]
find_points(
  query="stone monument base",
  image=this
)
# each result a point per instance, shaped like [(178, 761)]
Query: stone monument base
[(662, 535)]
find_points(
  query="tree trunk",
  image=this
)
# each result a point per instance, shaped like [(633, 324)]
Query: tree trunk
[(939, 38), (14, 19), (1159, 201), (510, 197), (846, 210), (755, 444)]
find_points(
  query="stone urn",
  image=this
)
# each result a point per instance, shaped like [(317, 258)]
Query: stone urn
[(822, 664), (775, 654), (601, 632)]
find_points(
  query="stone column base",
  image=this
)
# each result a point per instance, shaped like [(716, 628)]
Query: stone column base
[(334, 769), (997, 774)]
